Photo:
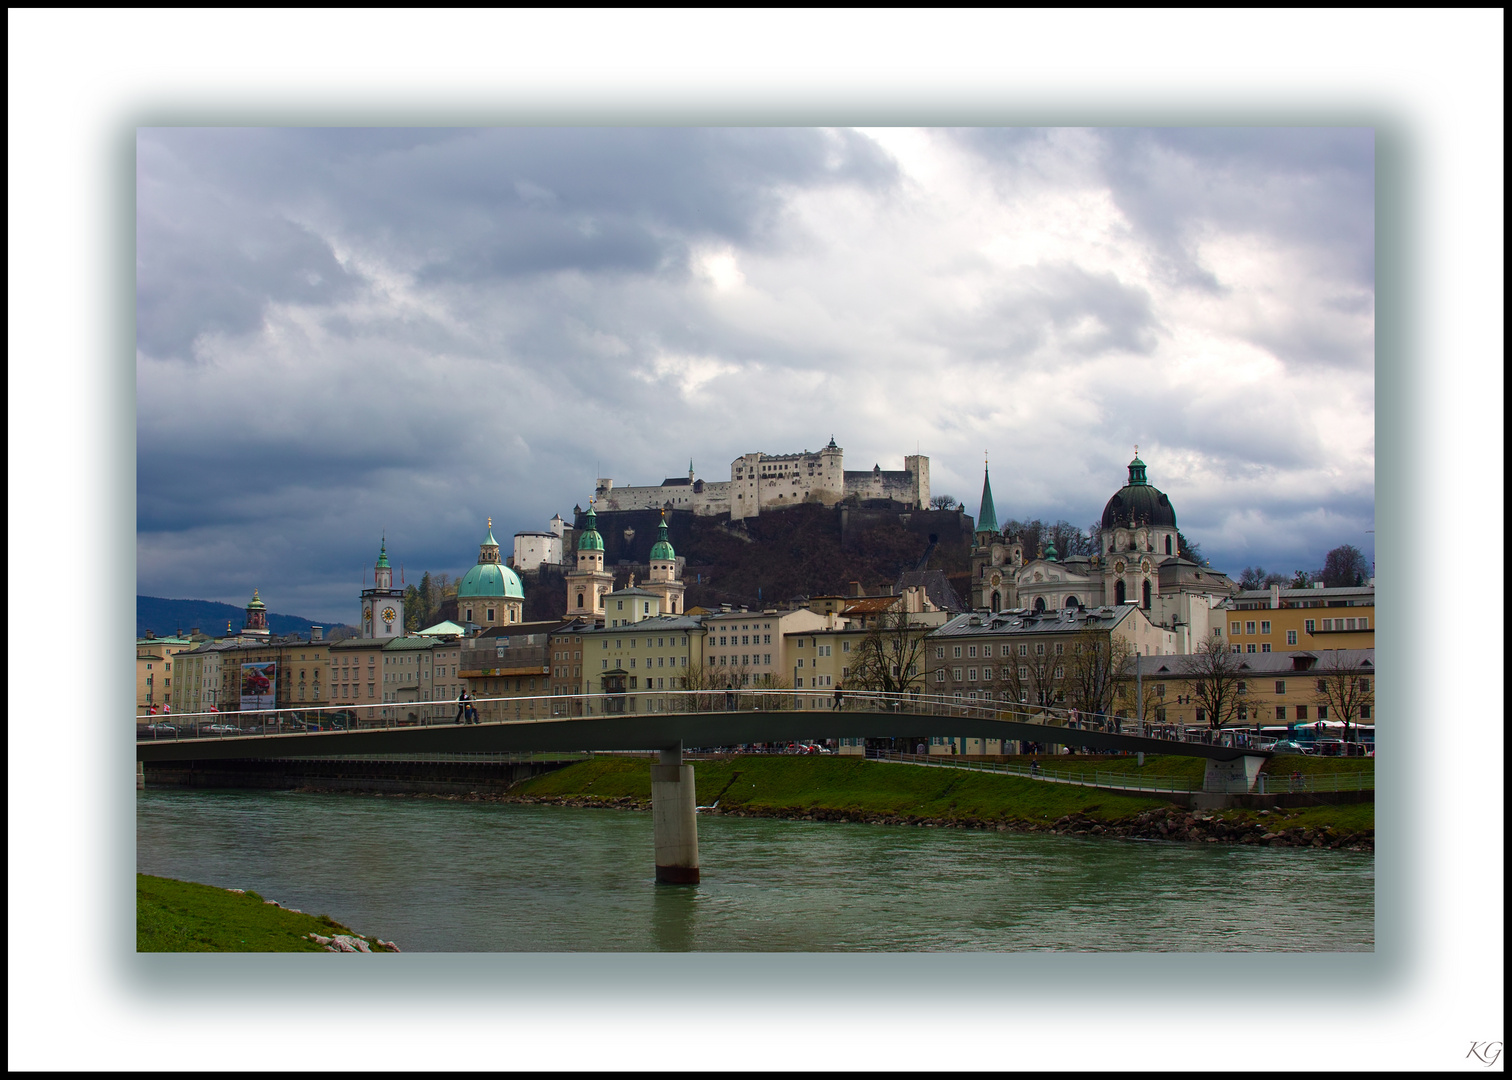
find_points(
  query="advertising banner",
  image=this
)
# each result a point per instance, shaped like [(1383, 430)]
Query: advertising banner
[(257, 685)]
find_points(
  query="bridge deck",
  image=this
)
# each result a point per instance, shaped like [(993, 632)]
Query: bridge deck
[(661, 731)]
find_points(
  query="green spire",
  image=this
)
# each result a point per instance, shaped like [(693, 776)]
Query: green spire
[(987, 519), (489, 540), (383, 563), (1050, 549), (662, 549), (591, 540), (1137, 469)]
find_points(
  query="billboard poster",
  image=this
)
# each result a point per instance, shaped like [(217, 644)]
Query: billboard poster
[(257, 685)]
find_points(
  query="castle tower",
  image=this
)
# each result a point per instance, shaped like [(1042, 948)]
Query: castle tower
[(663, 577), (382, 605), (589, 582)]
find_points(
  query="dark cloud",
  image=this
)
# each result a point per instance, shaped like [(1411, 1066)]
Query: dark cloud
[(403, 333)]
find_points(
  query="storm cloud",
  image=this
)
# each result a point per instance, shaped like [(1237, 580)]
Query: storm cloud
[(349, 334)]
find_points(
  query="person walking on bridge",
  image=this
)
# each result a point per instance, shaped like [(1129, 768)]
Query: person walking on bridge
[(839, 704), (462, 706)]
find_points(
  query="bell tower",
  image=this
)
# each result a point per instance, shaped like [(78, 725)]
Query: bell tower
[(588, 583), (382, 605)]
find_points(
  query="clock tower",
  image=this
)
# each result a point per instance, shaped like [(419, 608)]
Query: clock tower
[(383, 605)]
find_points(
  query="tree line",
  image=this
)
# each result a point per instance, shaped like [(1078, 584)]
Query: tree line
[(1343, 567)]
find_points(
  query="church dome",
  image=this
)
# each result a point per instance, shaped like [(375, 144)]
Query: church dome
[(662, 549), (490, 580), (1139, 501), (591, 540)]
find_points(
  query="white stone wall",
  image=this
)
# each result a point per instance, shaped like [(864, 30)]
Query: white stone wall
[(531, 549)]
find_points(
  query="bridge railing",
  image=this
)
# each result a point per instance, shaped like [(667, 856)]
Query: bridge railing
[(317, 717)]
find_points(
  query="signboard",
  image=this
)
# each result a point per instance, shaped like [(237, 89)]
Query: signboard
[(258, 683)]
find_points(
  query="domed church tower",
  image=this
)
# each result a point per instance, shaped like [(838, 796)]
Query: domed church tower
[(589, 582), (663, 577), (256, 621), (490, 594), (1138, 533)]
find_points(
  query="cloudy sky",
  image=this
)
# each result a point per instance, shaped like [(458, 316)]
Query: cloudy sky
[(347, 333)]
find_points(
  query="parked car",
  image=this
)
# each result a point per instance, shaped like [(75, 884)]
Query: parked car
[(1286, 746), (162, 729), (223, 729)]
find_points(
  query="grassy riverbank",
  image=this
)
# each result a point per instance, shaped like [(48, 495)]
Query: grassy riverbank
[(182, 916), (840, 788)]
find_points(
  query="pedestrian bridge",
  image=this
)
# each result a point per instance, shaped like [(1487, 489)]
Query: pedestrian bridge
[(694, 719)]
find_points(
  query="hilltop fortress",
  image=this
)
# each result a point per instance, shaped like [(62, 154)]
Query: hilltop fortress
[(763, 482)]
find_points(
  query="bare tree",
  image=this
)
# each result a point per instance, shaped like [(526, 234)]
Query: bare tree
[(890, 658), (942, 502), (1039, 679), (698, 679), (1215, 673), (1346, 687), (1099, 663)]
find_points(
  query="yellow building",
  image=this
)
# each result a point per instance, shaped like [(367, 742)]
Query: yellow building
[(643, 666), (1268, 689), (1278, 620), (154, 670)]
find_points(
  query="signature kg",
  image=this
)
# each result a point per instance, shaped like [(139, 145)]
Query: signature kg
[(1486, 1053)]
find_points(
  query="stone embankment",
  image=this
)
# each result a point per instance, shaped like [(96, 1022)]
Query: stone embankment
[(1172, 823)]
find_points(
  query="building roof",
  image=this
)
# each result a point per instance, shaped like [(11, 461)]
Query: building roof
[(1022, 621), (1308, 594), (409, 643), (936, 587), (488, 581), (662, 623), (444, 628), (1138, 501), (872, 605)]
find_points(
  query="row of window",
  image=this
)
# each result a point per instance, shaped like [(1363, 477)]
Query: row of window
[(661, 661), (1003, 650), (987, 674), (1310, 625)]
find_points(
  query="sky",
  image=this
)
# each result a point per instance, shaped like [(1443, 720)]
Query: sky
[(352, 334)]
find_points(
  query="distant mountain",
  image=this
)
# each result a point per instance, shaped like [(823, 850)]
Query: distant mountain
[(166, 617)]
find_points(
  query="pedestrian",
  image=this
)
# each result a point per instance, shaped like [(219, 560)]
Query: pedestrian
[(839, 698), (462, 706)]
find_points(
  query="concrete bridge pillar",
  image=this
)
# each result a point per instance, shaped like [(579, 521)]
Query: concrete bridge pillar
[(1232, 776), (141, 777), (674, 818)]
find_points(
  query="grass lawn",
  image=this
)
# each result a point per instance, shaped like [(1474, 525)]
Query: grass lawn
[(181, 916), (802, 784)]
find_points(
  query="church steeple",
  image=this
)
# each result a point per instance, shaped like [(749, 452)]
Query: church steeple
[(1137, 469), (987, 518), (488, 550)]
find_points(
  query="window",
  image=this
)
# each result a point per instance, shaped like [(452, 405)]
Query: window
[(1023, 673), (1060, 648), (767, 639), (767, 658), (1244, 712), (1309, 626), (1291, 637), (1322, 712), (1039, 648), (1265, 646), (1250, 647), (971, 674), (1060, 673), (1280, 712), (1234, 629), (1249, 627), (939, 652), (1364, 712), (1301, 712), (1280, 686), (971, 651), (1023, 650), (956, 652), (1238, 649), (1264, 627), (939, 675), (1365, 684)]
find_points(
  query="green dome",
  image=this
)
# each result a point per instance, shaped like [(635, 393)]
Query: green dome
[(662, 549), (490, 580), (383, 562), (255, 602), (591, 540)]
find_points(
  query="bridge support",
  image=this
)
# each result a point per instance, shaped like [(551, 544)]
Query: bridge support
[(674, 818), (1232, 776)]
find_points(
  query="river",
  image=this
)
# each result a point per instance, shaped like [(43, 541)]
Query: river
[(443, 876)]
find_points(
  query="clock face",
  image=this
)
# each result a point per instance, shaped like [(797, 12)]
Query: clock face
[(997, 579), (388, 614), (1118, 567)]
